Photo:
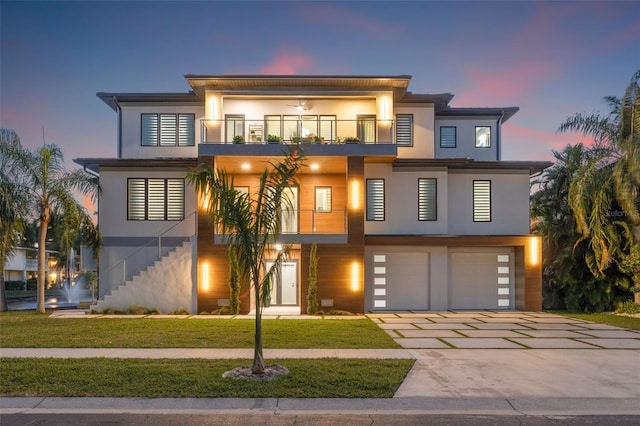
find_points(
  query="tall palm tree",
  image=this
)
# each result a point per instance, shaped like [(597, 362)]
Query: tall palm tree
[(12, 205), (605, 196), (251, 224), (49, 189)]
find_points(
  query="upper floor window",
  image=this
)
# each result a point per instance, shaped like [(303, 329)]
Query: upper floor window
[(447, 137), (168, 129), (404, 129), (482, 201), (367, 128), (234, 125), (375, 199), (323, 199), (155, 199), (483, 137), (427, 198), (327, 127)]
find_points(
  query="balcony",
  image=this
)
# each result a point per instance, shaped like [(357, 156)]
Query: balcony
[(299, 131), (308, 226)]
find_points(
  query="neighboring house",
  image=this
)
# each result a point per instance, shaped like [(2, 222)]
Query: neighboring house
[(420, 214), (22, 264)]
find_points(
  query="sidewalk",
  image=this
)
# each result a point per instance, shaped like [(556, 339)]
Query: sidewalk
[(509, 363)]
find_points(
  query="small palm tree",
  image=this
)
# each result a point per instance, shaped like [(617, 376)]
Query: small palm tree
[(251, 224), (48, 189)]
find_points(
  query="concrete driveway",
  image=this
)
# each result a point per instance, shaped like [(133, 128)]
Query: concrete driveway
[(514, 354)]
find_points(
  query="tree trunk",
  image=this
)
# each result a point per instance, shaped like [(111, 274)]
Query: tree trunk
[(636, 294), (42, 259), (3, 296), (258, 359)]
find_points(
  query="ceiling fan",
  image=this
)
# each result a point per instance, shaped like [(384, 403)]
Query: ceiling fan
[(301, 106)]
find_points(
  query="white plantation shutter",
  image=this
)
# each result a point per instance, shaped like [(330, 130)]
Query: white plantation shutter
[(155, 199), (136, 199), (175, 199), (375, 199), (186, 129), (427, 196), (149, 129), (168, 125), (481, 200), (404, 130)]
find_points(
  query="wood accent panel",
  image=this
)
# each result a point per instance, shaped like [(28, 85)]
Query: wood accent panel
[(355, 216), (519, 285)]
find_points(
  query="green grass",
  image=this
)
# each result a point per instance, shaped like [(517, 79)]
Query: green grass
[(631, 323), (30, 330), (198, 378)]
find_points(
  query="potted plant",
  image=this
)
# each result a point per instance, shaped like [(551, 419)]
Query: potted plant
[(351, 139), (238, 139), (318, 139), (274, 139)]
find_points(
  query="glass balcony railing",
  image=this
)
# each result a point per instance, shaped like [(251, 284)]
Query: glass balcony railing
[(305, 130), (312, 222)]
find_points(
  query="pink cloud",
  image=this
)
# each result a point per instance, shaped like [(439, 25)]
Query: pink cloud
[(287, 62), (324, 15)]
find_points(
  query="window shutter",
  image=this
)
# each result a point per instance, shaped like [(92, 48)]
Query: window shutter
[(136, 199), (404, 130), (427, 198), (156, 197), (175, 199), (375, 199), (186, 129), (168, 124), (447, 137), (481, 200), (149, 129)]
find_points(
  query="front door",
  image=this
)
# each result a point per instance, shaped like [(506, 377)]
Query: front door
[(285, 288)]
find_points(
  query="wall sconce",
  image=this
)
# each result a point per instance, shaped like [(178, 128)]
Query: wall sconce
[(355, 276), (355, 194), (205, 276), (534, 251)]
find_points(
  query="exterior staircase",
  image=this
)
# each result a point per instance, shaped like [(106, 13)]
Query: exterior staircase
[(166, 285)]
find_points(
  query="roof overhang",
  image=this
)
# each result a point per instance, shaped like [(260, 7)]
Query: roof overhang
[(113, 99), (533, 167), (505, 112), (94, 164)]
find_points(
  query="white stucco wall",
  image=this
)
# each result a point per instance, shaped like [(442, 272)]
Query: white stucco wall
[(509, 203), (423, 132), (131, 131), (466, 138), (401, 202)]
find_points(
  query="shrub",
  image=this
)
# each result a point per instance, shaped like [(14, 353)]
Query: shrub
[(180, 311), (628, 307), (312, 292)]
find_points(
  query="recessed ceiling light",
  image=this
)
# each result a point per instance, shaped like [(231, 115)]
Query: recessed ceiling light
[(315, 166), (246, 166)]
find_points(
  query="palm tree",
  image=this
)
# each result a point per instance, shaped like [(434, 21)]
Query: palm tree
[(605, 195), (49, 190), (12, 205), (251, 225)]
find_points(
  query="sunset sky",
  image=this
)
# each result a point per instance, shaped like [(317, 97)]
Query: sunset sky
[(551, 59)]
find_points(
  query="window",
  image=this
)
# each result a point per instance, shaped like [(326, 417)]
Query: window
[(290, 127), (427, 198), (375, 199), (155, 199), (167, 129), (272, 125), (323, 199), (327, 127), (234, 125), (483, 137), (447, 137), (367, 128), (482, 201), (404, 129), (309, 126)]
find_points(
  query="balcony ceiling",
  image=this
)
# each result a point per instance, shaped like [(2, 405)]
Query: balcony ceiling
[(325, 165)]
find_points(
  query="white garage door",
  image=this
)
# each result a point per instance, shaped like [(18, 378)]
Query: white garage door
[(401, 281), (481, 279)]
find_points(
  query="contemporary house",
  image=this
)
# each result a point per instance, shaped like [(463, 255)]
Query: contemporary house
[(407, 198)]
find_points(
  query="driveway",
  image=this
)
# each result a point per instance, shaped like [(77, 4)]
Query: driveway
[(514, 354)]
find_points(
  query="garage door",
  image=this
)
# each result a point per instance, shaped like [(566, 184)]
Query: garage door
[(481, 279), (401, 281)]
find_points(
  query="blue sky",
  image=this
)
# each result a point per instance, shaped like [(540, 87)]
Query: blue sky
[(551, 59)]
